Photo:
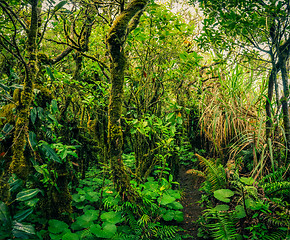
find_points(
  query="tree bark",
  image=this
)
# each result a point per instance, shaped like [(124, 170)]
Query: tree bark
[(19, 164), (115, 41)]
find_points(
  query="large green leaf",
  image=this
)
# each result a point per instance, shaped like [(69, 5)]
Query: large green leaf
[(33, 115), (54, 106), (222, 207), (27, 194), (106, 231), (92, 196), (7, 128), (253, 205), (21, 215), (112, 217), (31, 202), (48, 70), (166, 199), (56, 226), (4, 214), (70, 236), (248, 181), (240, 211), (169, 215), (86, 220), (14, 183), (32, 140), (223, 195), (58, 236), (175, 205), (59, 6), (22, 231), (174, 193), (78, 197), (178, 216), (50, 153)]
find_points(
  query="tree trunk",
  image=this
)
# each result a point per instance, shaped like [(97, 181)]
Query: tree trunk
[(19, 164), (116, 37)]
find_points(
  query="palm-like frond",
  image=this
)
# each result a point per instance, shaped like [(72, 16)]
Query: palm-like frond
[(215, 173), (224, 226), (277, 235), (277, 188)]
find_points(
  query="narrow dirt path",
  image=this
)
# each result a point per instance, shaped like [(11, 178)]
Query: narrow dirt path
[(192, 210)]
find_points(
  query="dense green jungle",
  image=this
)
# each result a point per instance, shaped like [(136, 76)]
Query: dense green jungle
[(144, 119)]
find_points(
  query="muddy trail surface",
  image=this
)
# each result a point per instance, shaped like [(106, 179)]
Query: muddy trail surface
[(192, 210)]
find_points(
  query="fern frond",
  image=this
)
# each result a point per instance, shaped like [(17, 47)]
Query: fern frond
[(274, 176), (277, 188), (224, 228), (275, 220), (277, 235), (134, 224), (144, 220), (166, 232), (215, 173), (196, 172)]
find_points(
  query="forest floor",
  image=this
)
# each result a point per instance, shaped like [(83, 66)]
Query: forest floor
[(192, 210)]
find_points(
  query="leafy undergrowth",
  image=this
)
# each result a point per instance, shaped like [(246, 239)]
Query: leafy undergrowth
[(238, 207), (101, 213)]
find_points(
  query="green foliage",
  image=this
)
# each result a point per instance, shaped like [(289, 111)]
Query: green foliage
[(224, 227), (223, 195), (175, 99), (14, 225), (102, 214), (245, 203), (215, 174), (277, 189)]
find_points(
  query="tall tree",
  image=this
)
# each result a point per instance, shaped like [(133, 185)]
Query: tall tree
[(19, 164), (125, 22)]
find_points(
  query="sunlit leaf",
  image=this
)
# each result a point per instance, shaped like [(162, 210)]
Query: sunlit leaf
[(27, 194)]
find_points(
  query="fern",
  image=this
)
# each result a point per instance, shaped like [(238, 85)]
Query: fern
[(274, 176), (166, 232), (144, 220), (277, 188), (276, 220), (277, 235), (124, 236), (196, 172), (224, 226), (133, 223), (215, 173)]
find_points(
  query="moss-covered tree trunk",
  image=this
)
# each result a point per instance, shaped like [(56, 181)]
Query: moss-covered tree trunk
[(123, 24), (19, 164)]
